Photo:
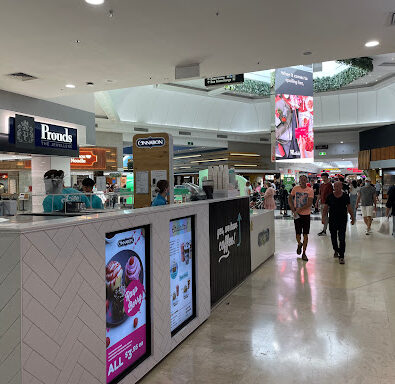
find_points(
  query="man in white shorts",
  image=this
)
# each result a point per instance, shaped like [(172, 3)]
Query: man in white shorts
[(367, 197)]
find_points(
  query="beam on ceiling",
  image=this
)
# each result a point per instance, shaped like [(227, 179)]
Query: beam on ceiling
[(103, 98)]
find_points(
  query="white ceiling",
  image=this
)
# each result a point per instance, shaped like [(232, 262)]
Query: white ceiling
[(145, 40)]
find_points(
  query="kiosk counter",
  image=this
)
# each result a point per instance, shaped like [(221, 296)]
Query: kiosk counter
[(104, 298), (100, 298)]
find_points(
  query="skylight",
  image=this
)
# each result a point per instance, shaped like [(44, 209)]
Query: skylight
[(329, 68)]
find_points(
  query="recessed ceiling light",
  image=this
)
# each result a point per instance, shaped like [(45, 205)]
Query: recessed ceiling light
[(70, 86), (95, 2), (307, 53), (372, 43), (341, 142), (89, 83)]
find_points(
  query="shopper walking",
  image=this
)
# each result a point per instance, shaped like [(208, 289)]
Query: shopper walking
[(316, 189), (248, 189), (378, 188), (345, 186), (300, 201), (283, 200), (338, 204), (354, 190), (269, 202), (391, 206), (367, 197), (325, 190)]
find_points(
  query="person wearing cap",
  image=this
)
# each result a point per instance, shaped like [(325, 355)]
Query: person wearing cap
[(87, 187), (56, 199), (367, 197)]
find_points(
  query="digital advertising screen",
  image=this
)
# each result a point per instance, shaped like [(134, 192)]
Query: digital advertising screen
[(294, 114), (182, 273), (128, 333)]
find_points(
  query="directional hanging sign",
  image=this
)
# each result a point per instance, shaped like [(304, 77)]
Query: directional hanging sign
[(223, 80)]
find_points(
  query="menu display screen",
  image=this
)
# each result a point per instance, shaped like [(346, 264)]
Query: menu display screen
[(182, 273), (127, 301)]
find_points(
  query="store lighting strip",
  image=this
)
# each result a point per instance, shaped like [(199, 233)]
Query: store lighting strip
[(207, 161), (245, 154), (186, 157), (185, 167), (245, 165)]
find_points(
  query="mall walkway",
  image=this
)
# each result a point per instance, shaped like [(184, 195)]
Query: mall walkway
[(292, 323)]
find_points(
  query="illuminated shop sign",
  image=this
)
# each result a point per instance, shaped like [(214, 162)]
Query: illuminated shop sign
[(86, 159), (26, 134), (150, 142)]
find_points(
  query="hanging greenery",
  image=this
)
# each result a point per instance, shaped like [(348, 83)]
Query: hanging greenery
[(364, 63), (251, 87), (359, 67), (331, 83)]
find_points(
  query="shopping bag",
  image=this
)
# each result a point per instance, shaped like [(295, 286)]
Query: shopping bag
[(385, 227)]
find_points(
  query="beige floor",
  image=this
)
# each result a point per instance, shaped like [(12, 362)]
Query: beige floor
[(292, 322)]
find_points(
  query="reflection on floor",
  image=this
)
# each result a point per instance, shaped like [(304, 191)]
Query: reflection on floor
[(292, 322)]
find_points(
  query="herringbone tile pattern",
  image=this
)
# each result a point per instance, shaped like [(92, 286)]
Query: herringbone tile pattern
[(10, 310)]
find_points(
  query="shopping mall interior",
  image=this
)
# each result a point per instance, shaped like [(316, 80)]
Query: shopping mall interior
[(191, 194)]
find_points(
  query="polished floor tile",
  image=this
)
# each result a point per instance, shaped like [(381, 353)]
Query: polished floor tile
[(293, 322)]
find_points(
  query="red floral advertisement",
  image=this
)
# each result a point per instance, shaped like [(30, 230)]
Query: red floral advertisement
[(294, 120)]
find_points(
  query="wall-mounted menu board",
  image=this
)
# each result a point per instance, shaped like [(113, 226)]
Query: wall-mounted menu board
[(128, 328), (182, 273)]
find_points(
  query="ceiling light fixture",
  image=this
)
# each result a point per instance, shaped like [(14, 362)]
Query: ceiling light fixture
[(307, 53), (244, 154), (70, 86), (372, 43), (185, 167), (207, 161), (246, 165), (95, 2), (186, 157), (341, 142)]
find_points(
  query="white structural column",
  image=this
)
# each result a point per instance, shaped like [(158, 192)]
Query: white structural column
[(40, 165)]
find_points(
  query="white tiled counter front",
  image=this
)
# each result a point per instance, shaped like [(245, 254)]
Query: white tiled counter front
[(262, 236), (52, 294)]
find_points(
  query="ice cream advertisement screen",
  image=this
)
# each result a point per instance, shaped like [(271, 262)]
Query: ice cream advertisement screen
[(182, 273), (294, 115), (127, 301)]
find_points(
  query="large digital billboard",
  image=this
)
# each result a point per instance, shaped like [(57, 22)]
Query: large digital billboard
[(294, 114), (128, 331), (182, 273)]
